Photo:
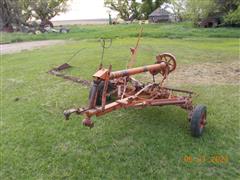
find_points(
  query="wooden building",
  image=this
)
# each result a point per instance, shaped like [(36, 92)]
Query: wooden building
[(161, 15)]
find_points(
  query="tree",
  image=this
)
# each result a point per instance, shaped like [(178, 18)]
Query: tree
[(228, 9), (128, 10), (18, 12), (147, 8), (9, 12), (226, 6), (47, 9), (135, 8), (5, 13), (233, 16), (197, 10), (131, 9), (15, 12), (178, 7)]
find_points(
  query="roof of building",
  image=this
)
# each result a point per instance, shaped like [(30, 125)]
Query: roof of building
[(160, 12)]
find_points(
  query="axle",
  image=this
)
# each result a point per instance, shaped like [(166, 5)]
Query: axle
[(153, 69), (138, 70)]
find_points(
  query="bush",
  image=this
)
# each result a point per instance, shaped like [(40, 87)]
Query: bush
[(233, 17)]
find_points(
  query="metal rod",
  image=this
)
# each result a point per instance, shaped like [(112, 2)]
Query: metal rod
[(105, 88), (179, 90), (134, 50), (129, 72)]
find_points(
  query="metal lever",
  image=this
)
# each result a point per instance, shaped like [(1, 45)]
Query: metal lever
[(105, 43)]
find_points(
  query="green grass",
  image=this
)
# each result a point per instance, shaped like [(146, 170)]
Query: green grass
[(173, 31), (36, 142)]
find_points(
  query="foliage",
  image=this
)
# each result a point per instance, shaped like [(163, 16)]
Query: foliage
[(130, 10), (26, 11), (18, 12), (197, 10), (233, 17), (136, 9), (225, 6), (178, 7), (14, 12), (193, 10), (148, 6), (47, 9)]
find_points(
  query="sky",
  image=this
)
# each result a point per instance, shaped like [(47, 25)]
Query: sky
[(85, 9)]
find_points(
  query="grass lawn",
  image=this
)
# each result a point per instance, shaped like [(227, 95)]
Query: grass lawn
[(173, 31), (153, 143)]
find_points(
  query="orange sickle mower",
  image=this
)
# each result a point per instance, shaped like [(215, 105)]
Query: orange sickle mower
[(113, 90)]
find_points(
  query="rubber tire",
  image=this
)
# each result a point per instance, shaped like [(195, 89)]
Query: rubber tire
[(100, 91), (196, 130), (92, 92), (63, 30)]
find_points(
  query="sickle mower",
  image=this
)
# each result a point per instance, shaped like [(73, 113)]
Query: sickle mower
[(113, 90)]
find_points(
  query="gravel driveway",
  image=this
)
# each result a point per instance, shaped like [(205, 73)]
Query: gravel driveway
[(18, 47)]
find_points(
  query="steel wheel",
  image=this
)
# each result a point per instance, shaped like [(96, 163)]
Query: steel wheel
[(169, 59)]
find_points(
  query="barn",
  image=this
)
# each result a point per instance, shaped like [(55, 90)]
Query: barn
[(161, 15)]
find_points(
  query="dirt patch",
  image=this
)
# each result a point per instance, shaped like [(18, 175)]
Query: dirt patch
[(206, 73), (21, 46)]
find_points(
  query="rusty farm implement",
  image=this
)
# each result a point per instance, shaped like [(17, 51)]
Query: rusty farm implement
[(113, 90)]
